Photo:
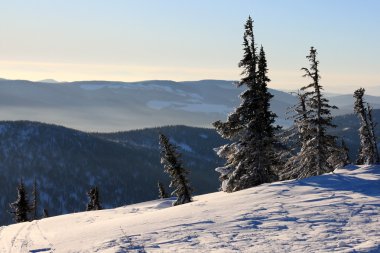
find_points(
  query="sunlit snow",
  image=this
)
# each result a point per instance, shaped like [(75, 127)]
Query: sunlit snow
[(336, 212)]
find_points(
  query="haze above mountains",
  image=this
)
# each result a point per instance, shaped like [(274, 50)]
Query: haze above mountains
[(104, 106)]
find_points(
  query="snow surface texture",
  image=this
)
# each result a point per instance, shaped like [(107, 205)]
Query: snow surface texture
[(336, 212)]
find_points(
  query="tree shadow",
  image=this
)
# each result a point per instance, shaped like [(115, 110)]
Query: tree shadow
[(356, 181)]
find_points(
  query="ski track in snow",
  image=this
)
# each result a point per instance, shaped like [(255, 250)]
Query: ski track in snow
[(336, 212), (14, 238), (27, 238)]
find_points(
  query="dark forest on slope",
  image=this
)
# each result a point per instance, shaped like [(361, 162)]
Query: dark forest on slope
[(124, 165)]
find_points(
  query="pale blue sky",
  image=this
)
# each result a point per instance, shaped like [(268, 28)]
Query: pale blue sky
[(188, 40)]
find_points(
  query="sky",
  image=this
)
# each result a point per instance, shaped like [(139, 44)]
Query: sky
[(122, 40)]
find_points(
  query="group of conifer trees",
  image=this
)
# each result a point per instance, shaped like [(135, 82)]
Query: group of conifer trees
[(319, 152), (24, 210), (259, 150), (172, 163), (257, 153)]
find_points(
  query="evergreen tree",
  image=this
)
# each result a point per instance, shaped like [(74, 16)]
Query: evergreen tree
[(319, 153), (368, 148), (267, 116), (301, 118), (300, 115), (295, 135), (161, 191), (35, 199), (94, 201), (365, 155), (251, 157), (20, 208), (170, 158), (301, 134), (372, 127)]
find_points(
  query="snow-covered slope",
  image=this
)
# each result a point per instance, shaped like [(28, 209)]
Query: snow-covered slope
[(337, 212)]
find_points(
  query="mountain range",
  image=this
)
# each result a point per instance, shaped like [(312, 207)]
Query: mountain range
[(118, 106)]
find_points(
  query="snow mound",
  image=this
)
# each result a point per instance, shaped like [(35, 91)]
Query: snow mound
[(336, 212)]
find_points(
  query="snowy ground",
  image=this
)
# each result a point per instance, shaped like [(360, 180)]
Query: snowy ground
[(336, 212)]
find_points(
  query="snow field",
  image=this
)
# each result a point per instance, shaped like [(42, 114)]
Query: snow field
[(336, 212)]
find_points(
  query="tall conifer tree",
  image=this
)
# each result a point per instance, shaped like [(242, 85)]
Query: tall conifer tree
[(94, 200), (300, 130), (368, 153), (251, 155), (170, 158), (372, 126), (21, 207), (319, 153)]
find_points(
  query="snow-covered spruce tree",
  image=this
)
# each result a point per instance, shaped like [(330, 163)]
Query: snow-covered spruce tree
[(295, 135), (35, 198), (170, 158), (251, 157), (21, 207), (319, 153), (368, 149), (299, 135), (94, 201), (372, 127), (301, 118), (161, 191)]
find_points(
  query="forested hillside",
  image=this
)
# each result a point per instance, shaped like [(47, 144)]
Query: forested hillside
[(124, 165), (66, 163)]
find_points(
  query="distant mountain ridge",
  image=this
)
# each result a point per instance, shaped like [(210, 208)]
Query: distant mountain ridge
[(103, 106), (114, 106)]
